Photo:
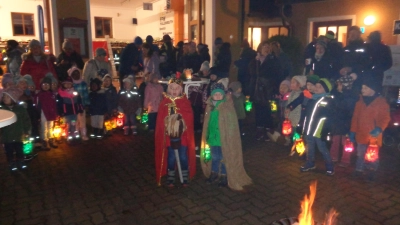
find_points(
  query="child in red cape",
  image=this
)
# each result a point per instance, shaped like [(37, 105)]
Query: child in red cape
[(174, 130)]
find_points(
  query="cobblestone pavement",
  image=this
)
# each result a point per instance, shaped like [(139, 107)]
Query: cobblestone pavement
[(112, 181)]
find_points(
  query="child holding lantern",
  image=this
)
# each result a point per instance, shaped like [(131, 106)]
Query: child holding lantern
[(221, 134), (175, 136), (129, 102), (12, 136), (111, 100), (97, 108), (371, 116)]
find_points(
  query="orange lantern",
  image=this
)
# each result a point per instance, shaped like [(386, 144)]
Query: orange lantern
[(120, 120), (108, 125), (372, 153), (286, 127), (348, 145)]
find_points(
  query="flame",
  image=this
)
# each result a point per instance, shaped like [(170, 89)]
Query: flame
[(305, 217), (331, 217)]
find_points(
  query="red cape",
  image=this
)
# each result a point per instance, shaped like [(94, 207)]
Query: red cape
[(162, 140)]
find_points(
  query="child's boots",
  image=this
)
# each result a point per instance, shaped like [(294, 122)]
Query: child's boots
[(171, 178), (223, 181), (213, 177)]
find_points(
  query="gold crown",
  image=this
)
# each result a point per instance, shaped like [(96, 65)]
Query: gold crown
[(175, 81)]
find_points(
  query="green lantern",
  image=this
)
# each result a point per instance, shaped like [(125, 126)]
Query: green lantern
[(27, 147), (296, 136), (145, 117), (248, 104), (207, 153)]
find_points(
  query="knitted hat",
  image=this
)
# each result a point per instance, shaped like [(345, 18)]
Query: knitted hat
[(67, 44), (149, 39), (218, 41), (375, 37), (67, 80), (325, 84), (102, 73), (175, 81), (21, 79), (217, 87), (371, 81), (46, 80), (286, 82), (166, 38), (107, 75), (138, 41), (234, 86), (101, 52), (53, 79), (72, 69), (34, 43), (322, 43), (205, 66), (301, 79), (7, 78), (130, 79), (13, 92), (312, 79), (346, 81), (330, 35), (29, 80)]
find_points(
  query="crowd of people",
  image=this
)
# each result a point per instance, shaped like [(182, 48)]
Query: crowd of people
[(324, 103)]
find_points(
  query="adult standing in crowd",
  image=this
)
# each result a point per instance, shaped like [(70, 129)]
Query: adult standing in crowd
[(36, 63), (185, 51), (334, 48), (223, 60), (14, 59), (167, 57), (247, 54), (203, 51), (268, 72), (284, 61), (96, 67), (321, 63), (192, 60), (151, 62), (131, 60), (67, 59), (381, 55), (149, 41)]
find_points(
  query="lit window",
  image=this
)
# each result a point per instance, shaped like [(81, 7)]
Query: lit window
[(103, 27)]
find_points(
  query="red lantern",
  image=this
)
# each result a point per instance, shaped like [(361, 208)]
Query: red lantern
[(286, 127), (372, 153), (348, 145), (120, 120)]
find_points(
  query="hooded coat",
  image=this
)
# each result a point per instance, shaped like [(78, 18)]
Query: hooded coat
[(37, 70), (231, 144)]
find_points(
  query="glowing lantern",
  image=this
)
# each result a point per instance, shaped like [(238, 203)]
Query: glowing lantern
[(108, 125), (274, 106), (120, 120), (57, 131), (248, 104), (372, 153), (348, 145), (286, 127), (296, 136), (145, 117), (299, 146), (27, 147), (207, 153)]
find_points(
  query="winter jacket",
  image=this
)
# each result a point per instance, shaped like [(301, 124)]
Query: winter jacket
[(129, 101), (152, 65), (269, 74), (130, 56), (381, 58), (83, 91), (14, 60), (92, 67), (97, 106), (153, 97), (192, 61), (73, 59), (318, 116), (223, 63), (286, 66), (356, 56), (238, 103), (366, 118), (242, 64), (295, 113), (16, 131), (304, 99), (168, 52), (69, 102), (37, 70), (111, 99), (323, 67), (343, 107), (46, 101)]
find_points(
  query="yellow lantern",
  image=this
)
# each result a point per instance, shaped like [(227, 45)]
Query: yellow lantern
[(299, 146), (108, 125), (57, 131)]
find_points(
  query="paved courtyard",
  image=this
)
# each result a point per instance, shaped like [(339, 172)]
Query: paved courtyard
[(112, 181)]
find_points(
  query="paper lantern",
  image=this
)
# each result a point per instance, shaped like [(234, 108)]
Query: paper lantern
[(120, 120), (348, 145), (274, 106), (145, 117), (57, 131), (108, 125), (27, 147), (300, 146), (296, 136), (248, 104), (372, 153), (207, 153), (286, 127)]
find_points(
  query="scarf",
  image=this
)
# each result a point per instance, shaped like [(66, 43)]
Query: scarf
[(368, 99), (318, 96)]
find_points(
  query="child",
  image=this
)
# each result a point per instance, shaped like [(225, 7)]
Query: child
[(152, 99), (296, 85), (129, 101), (80, 86), (46, 104), (371, 116), (97, 108), (12, 136), (318, 114), (238, 102), (174, 132), (69, 105), (7, 81), (343, 108), (221, 133), (284, 93), (111, 97)]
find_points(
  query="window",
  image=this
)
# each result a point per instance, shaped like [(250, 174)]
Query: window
[(103, 27), (22, 24), (196, 20), (338, 27), (255, 36), (273, 31)]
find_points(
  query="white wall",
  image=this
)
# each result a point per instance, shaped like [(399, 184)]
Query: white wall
[(18, 6)]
